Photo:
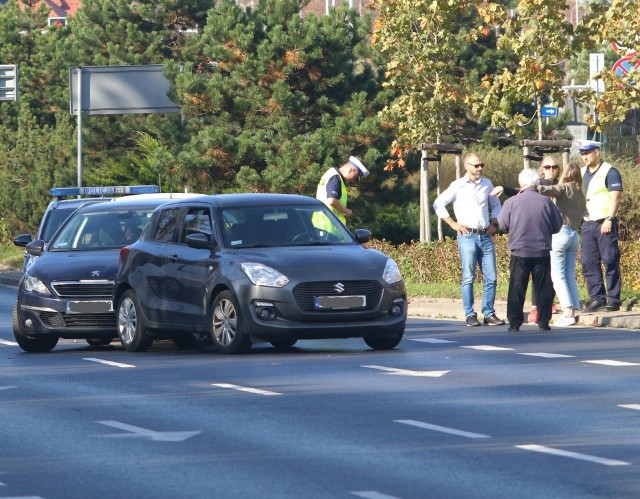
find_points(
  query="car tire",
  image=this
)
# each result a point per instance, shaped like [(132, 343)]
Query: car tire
[(192, 340), (384, 343), (226, 325), (284, 343), (99, 342), (32, 344), (131, 329)]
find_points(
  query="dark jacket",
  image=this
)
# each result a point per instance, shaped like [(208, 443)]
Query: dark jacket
[(530, 219)]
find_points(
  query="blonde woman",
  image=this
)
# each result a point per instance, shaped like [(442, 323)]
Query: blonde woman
[(571, 202)]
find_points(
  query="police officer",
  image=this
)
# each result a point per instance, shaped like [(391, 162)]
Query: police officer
[(332, 189), (602, 185)]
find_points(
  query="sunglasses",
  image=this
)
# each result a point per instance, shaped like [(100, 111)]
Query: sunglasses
[(477, 165), (549, 167)]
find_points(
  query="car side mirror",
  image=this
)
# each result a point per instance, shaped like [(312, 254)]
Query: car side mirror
[(35, 248), (22, 240), (198, 241), (363, 236)]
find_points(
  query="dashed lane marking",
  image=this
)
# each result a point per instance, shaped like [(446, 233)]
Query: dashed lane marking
[(573, 455), (8, 343), (244, 389), (635, 407), (108, 362), (441, 429), (372, 494), (547, 355), (614, 363), (432, 340), (408, 372), (487, 347)]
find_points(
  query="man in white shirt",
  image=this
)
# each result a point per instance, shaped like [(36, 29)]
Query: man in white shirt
[(471, 203)]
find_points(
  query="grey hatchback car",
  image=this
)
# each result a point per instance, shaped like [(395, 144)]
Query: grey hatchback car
[(256, 267)]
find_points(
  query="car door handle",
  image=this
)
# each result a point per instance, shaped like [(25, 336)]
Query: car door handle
[(172, 258)]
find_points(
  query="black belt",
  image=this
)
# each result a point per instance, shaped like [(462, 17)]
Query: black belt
[(478, 231)]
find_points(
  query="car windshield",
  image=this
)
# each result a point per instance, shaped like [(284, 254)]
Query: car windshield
[(264, 226), (108, 229)]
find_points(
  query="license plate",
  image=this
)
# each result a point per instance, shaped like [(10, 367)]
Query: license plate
[(340, 302), (89, 307)]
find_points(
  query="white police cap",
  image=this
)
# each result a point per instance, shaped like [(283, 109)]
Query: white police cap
[(358, 164), (588, 145)]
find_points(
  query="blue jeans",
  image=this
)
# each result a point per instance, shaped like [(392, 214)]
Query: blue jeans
[(564, 251), (478, 249)]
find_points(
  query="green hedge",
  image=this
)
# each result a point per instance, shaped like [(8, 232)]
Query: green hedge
[(440, 261)]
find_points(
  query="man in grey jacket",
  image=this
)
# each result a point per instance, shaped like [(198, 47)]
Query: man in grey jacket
[(530, 219)]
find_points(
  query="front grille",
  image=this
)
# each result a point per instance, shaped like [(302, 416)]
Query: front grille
[(306, 292), (102, 289), (57, 320)]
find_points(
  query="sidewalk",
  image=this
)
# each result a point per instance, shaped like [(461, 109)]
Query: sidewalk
[(443, 308)]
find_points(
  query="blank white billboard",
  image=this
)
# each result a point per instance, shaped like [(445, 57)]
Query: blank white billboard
[(120, 90)]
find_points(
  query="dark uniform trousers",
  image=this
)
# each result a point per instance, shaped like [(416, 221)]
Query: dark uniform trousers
[(520, 269), (596, 248)]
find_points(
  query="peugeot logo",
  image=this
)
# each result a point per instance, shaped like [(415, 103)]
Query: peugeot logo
[(95, 273), (339, 287)]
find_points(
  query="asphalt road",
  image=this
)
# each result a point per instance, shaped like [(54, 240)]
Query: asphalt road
[(454, 412)]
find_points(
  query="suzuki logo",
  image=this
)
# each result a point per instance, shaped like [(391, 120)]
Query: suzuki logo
[(95, 273), (338, 287)]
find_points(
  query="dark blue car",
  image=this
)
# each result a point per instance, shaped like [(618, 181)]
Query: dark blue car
[(256, 267)]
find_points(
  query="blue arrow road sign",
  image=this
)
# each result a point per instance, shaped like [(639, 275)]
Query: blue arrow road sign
[(548, 111)]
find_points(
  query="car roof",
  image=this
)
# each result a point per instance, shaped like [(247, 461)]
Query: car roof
[(128, 202), (251, 199)]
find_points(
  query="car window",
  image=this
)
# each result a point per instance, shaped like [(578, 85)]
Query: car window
[(196, 221), (282, 226), (167, 222), (54, 219), (100, 230)]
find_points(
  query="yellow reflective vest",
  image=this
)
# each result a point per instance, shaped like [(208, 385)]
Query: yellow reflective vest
[(598, 196), (321, 192)]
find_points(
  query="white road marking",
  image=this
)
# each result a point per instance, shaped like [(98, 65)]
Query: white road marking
[(547, 355), (157, 436), (487, 347), (7, 387), (107, 362), (442, 429), (372, 494), (245, 389), (574, 455), (8, 343), (431, 340), (635, 407), (615, 363), (407, 372)]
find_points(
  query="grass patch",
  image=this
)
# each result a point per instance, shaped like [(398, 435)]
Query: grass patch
[(11, 256)]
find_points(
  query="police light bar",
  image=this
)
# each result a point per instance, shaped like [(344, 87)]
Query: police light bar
[(110, 190)]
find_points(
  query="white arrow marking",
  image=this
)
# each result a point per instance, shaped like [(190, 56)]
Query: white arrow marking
[(615, 363), (635, 407), (407, 372), (245, 389), (107, 362), (8, 343), (574, 455), (157, 436), (431, 340), (547, 355), (442, 429), (486, 347)]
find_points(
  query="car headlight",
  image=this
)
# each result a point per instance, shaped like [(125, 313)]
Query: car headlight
[(261, 275), (35, 285), (391, 272)]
